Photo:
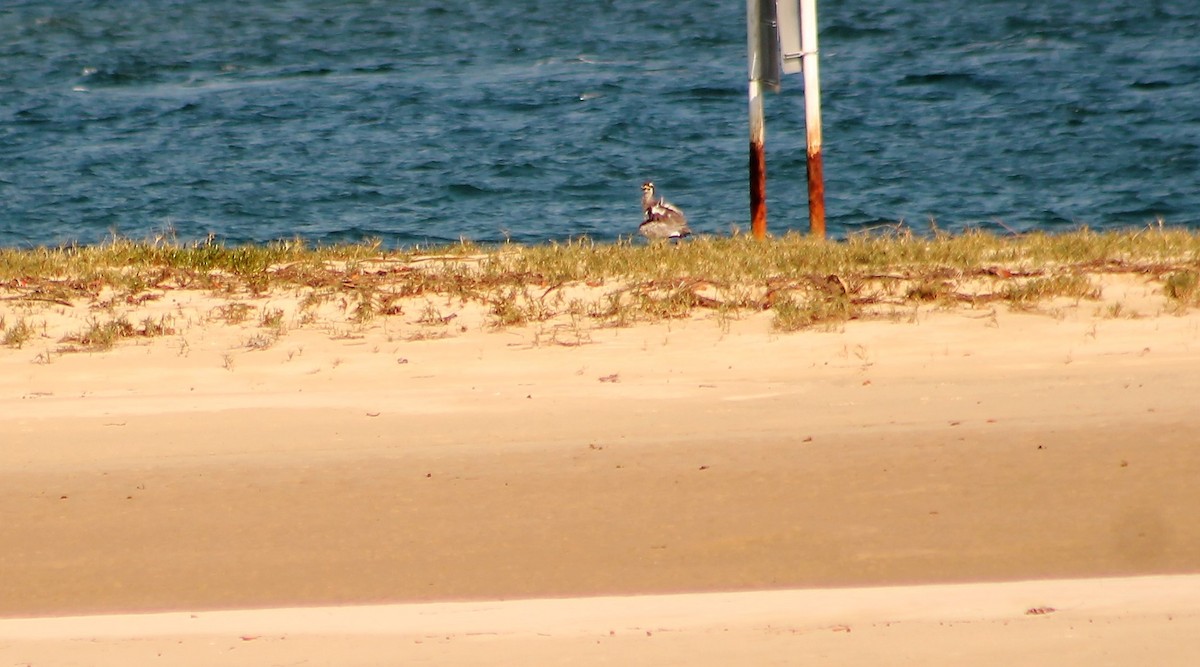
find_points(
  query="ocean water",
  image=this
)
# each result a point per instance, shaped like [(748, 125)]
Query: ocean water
[(414, 121)]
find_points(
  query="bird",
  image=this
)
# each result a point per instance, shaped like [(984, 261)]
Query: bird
[(661, 219)]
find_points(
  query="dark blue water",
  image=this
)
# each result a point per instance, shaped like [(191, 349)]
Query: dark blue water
[(417, 121)]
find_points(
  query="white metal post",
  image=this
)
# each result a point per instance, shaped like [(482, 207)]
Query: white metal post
[(758, 159), (812, 117)]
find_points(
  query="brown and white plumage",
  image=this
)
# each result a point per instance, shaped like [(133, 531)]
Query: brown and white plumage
[(661, 219)]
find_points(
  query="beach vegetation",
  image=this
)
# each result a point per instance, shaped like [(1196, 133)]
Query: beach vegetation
[(804, 283), (271, 319), (99, 336), (1183, 287), (261, 341), (16, 334), (234, 312), (1039, 289)]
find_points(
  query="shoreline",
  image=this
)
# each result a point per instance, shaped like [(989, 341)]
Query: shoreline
[(1062, 622)]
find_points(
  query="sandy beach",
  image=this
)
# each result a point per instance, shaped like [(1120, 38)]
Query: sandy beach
[(962, 486)]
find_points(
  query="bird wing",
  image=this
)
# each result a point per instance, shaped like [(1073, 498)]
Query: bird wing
[(662, 210)]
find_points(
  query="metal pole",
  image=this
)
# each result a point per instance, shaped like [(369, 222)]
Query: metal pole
[(758, 156), (812, 117), (758, 164)]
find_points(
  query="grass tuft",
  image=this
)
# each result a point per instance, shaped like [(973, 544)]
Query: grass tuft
[(1183, 287), (16, 335), (100, 336)]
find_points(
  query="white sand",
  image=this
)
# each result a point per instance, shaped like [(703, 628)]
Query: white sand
[(1092, 622)]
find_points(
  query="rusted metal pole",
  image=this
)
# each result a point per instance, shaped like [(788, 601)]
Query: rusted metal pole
[(758, 164), (812, 117), (758, 156)]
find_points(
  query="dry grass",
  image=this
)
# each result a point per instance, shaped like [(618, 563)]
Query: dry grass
[(99, 335), (16, 334), (1183, 286), (805, 283)]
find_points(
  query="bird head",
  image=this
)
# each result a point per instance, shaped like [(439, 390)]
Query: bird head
[(648, 187)]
